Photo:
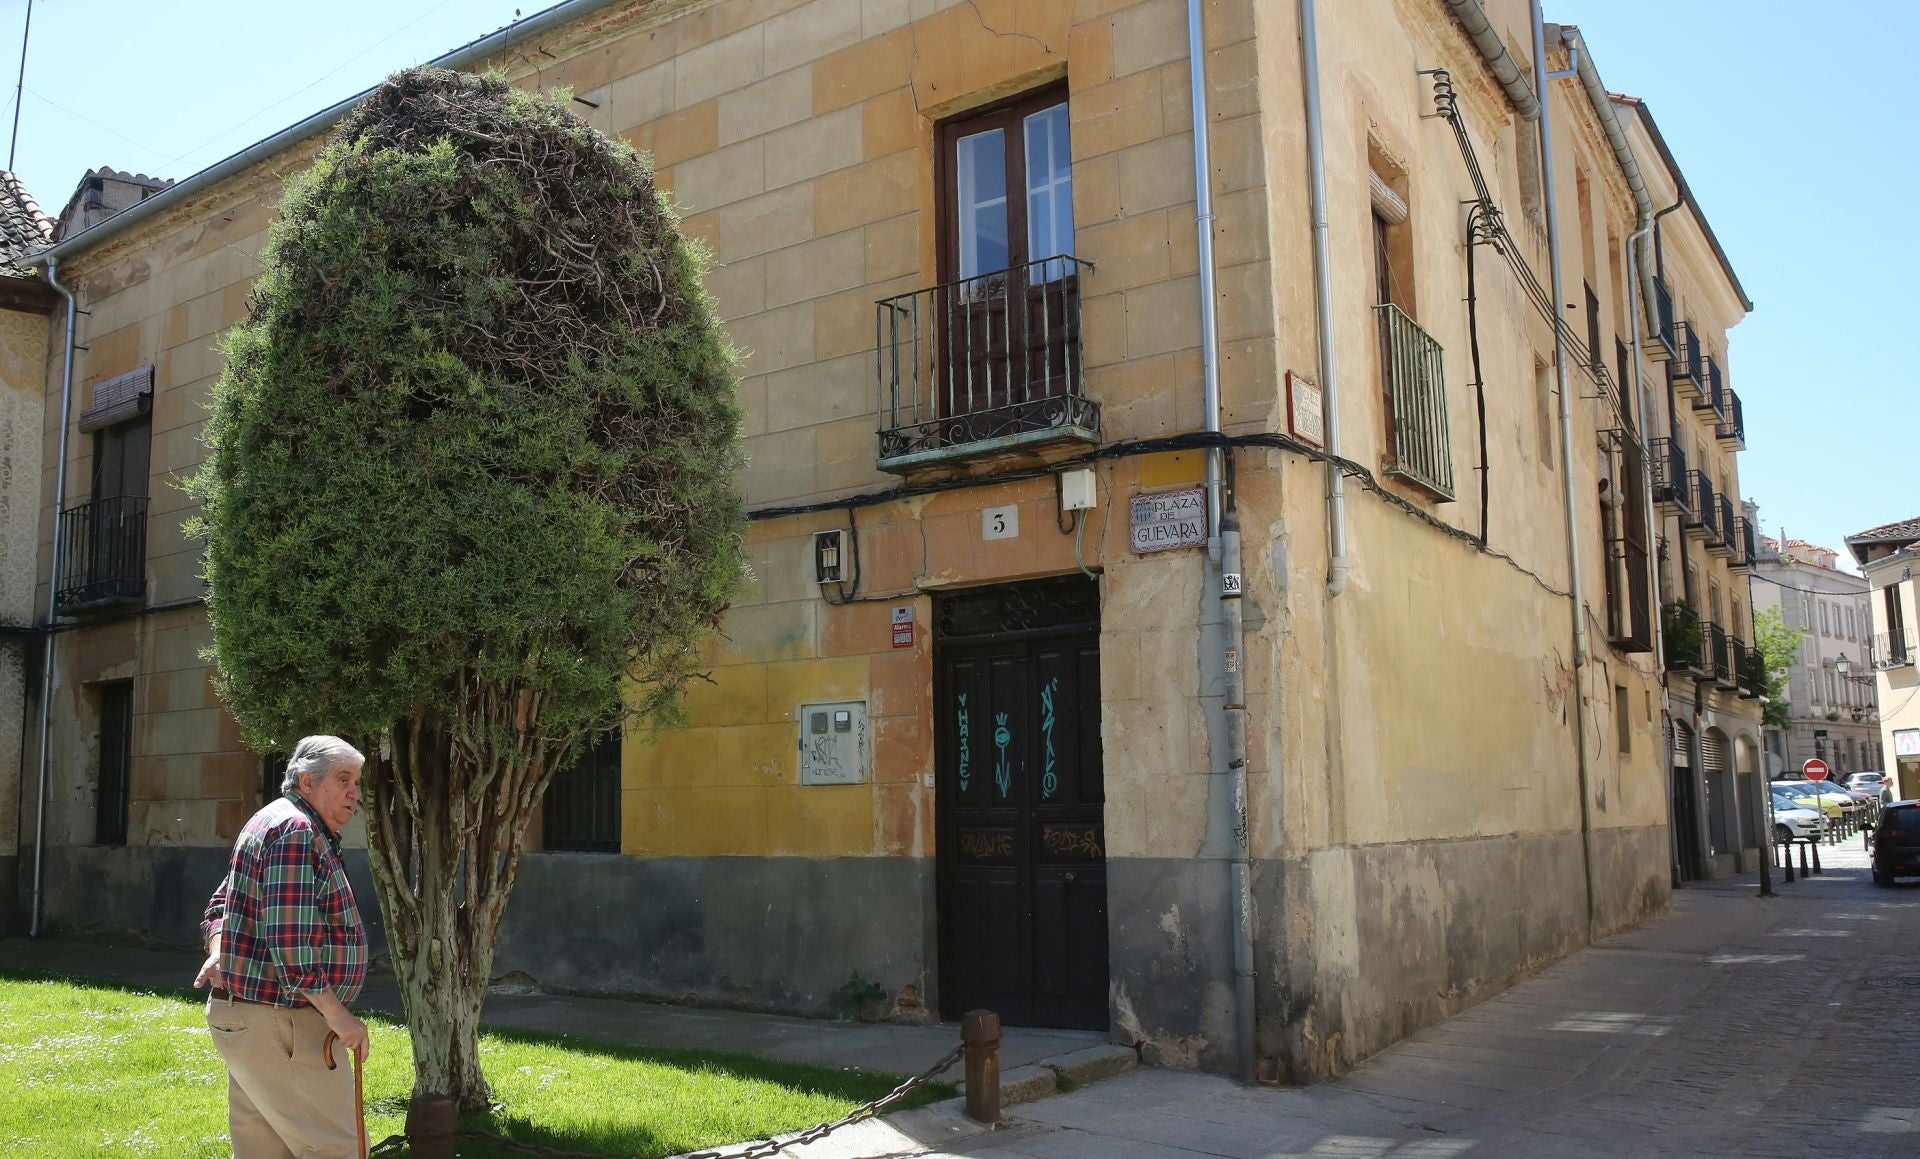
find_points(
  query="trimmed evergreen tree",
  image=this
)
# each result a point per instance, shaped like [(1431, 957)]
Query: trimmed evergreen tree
[(470, 495)]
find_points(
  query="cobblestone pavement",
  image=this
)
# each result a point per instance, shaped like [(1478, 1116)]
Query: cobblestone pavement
[(1737, 1026)]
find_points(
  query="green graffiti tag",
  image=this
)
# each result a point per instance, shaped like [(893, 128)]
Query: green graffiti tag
[(1002, 774), (966, 753), (1048, 781)]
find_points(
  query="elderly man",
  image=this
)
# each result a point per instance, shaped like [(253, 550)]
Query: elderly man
[(286, 953)]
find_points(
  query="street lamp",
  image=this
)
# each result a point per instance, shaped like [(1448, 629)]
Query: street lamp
[(1842, 665)]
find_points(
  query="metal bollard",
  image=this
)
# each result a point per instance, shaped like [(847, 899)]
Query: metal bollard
[(980, 1031), (1816, 860), (1786, 855), (1803, 858)]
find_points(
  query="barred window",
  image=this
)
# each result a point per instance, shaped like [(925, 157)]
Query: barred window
[(582, 810)]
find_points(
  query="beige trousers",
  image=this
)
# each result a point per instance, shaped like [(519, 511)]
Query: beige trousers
[(282, 1101)]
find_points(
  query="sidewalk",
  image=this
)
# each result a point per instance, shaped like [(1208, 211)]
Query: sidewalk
[(1736, 1026)]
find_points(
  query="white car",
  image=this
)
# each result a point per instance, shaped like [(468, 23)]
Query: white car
[(1872, 783), (1793, 822)]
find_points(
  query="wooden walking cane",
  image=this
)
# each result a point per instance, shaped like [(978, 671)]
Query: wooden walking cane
[(359, 1092)]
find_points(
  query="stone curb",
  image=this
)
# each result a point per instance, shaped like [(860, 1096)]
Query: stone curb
[(1075, 1069)]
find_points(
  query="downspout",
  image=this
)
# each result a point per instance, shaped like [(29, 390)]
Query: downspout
[(1338, 564), (53, 589), (1224, 531), (1622, 151), (1576, 593)]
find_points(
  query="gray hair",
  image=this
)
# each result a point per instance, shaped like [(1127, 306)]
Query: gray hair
[(318, 756)]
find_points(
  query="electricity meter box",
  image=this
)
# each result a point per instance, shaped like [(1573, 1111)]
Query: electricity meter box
[(833, 743)]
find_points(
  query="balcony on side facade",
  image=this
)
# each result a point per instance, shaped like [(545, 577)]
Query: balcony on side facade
[(1732, 427), (1661, 344), (1683, 372), (1417, 383), (103, 555), (1720, 536), (1745, 546), (1669, 464), (1713, 390), (981, 365), (1753, 673), (1704, 516), (1728, 650), (1683, 638), (1891, 650)]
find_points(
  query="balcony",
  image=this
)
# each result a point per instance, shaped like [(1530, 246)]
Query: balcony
[(1720, 535), (1661, 345), (1416, 381), (1705, 515), (1713, 390), (1745, 546), (1732, 427), (1728, 650), (1669, 465), (1683, 638), (1753, 673), (981, 365), (1892, 650), (103, 555), (1683, 373)]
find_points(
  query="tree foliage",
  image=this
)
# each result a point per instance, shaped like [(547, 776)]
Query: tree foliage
[(1780, 644), (471, 493), (478, 427)]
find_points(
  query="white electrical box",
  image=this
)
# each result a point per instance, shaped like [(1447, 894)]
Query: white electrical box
[(833, 743), (1077, 490)]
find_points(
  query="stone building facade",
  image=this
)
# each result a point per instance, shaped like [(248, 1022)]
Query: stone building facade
[(1833, 711), (1887, 556), (998, 718)]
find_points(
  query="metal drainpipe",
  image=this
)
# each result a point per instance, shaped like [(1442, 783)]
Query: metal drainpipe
[(1224, 528), (53, 588), (1576, 593), (1338, 563)]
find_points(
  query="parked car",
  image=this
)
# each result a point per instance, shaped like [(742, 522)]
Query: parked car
[(1804, 795), (1793, 823), (1874, 783), (1896, 843)]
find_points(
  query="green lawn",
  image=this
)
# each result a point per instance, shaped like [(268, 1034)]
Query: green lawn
[(91, 1069)]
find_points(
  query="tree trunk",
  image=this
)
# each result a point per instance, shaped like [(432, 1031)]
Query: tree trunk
[(446, 823)]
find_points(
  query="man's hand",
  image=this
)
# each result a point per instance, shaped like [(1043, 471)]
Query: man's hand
[(340, 1020), (209, 974)]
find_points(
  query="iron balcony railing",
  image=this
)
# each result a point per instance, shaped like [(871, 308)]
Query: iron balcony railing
[(1712, 389), (1745, 546), (1684, 370), (1720, 534), (1705, 516), (1660, 345), (1753, 673), (1683, 637), (1892, 649), (983, 364), (1416, 382), (103, 553), (1728, 649), (1669, 465), (1732, 427)]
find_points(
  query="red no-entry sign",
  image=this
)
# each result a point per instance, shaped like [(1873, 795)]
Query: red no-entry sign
[(1815, 769)]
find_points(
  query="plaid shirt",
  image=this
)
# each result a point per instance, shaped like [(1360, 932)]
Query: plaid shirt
[(285, 913)]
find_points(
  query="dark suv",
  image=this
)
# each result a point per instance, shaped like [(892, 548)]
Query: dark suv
[(1896, 843)]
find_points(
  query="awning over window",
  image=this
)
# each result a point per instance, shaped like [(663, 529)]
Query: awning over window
[(118, 399)]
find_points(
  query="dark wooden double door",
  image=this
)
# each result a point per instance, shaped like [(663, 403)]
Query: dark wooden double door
[(1022, 844)]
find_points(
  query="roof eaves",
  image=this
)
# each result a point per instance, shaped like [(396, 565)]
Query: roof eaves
[(1686, 192)]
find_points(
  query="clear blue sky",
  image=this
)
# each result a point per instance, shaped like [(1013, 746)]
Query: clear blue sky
[(1793, 124)]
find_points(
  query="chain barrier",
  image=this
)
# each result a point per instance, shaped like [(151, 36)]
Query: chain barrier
[(394, 1145)]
